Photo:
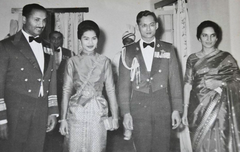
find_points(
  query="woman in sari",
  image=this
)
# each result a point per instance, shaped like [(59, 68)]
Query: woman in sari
[(212, 95), (84, 115)]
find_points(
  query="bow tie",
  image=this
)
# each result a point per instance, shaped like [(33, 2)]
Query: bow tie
[(37, 39), (146, 44)]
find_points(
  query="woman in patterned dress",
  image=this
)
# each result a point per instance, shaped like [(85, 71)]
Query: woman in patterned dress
[(212, 95), (84, 109)]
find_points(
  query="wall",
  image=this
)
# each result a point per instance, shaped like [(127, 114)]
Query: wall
[(215, 10), (234, 18), (226, 14), (112, 16)]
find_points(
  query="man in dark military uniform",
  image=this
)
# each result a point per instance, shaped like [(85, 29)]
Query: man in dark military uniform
[(61, 56), (150, 92), (28, 99)]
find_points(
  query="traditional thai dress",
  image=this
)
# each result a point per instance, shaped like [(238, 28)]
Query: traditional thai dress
[(84, 79), (214, 121)]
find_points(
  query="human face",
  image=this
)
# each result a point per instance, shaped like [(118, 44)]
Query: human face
[(89, 41), (35, 23), (147, 28), (56, 39), (208, 37)]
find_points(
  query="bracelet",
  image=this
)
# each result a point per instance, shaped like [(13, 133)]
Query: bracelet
[(61, 120)]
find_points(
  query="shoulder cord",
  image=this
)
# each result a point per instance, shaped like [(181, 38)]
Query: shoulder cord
[(135, 67)]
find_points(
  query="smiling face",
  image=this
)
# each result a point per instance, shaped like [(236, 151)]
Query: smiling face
[(56, 39), (147, 27), (89, 41), (208, 37), (35, 23)]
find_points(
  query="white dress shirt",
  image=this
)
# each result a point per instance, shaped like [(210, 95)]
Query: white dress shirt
[(37, 49), (147, 53)]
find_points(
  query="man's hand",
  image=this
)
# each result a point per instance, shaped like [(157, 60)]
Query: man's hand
[(52, 121), (128, 122), (3, 131), (176, 119)]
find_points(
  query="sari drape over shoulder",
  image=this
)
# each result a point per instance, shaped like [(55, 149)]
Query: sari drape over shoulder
[(214, 114)]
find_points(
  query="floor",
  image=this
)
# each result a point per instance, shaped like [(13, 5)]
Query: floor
[(115, 142)]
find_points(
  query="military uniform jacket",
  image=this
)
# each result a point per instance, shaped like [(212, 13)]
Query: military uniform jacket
[(164, 74), (66, 54), (20, 74)]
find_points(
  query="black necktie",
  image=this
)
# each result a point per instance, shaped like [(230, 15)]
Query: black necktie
[(37, 39), (146, 44)]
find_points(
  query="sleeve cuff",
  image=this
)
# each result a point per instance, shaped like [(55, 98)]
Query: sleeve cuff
[(3, 122), (57, 115)]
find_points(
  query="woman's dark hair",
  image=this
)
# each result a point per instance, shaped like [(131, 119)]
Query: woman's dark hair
[(27, 9), (145, 13), (88, 25), (212, 24)]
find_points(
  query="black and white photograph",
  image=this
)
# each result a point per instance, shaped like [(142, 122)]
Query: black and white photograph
[(120, 76)]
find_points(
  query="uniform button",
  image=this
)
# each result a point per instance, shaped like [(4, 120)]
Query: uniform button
[(151, 78), (47, 91), (137, 87), (147, 80), (161, 85), (22, 69), (51, 69), (159, 71), (49, 80), (26, 79), (29, 90), (39, 80)]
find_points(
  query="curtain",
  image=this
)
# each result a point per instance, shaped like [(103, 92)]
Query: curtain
[(182, 43), (67, 24), (182, 35)]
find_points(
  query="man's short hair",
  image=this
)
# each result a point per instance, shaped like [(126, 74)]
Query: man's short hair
[(55, 32), (145, 13), (27, 9)]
